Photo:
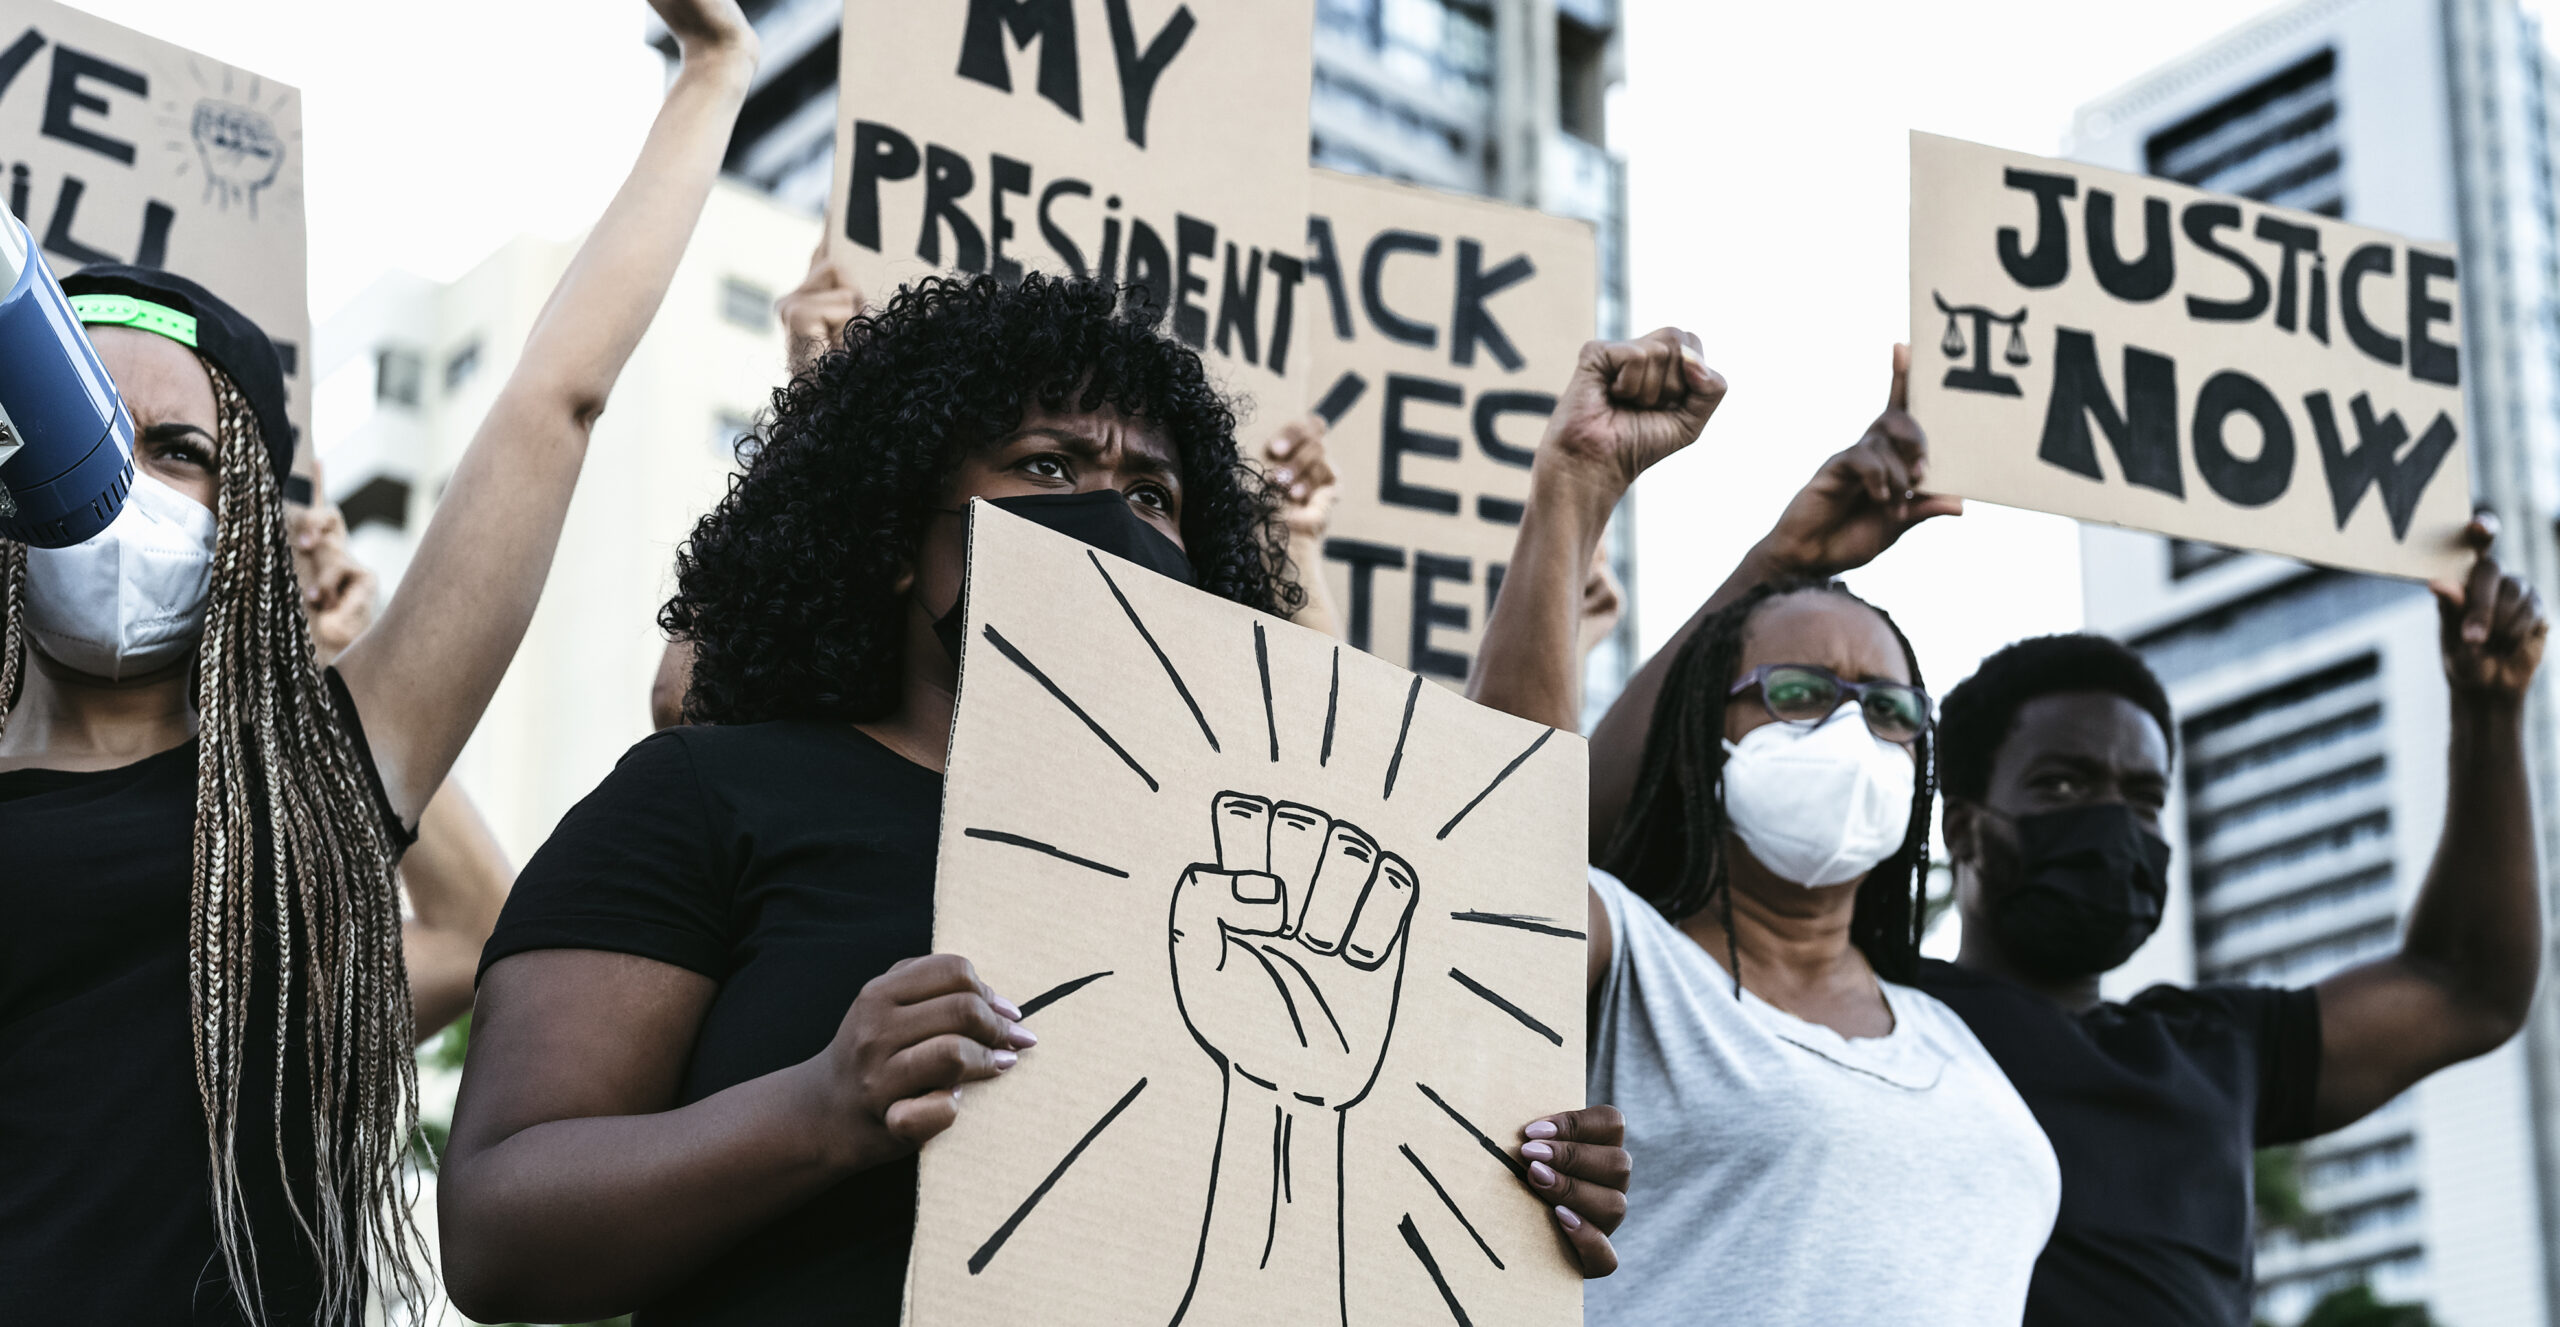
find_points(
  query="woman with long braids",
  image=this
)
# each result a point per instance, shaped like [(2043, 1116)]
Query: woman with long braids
[(206, 1091), (1791, 1099)]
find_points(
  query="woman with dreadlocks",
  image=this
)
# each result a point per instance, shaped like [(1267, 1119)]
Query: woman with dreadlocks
[(206, 1091), (1792, 1100)]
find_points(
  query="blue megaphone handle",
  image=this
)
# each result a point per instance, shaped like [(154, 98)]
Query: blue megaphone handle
[(66, 443)]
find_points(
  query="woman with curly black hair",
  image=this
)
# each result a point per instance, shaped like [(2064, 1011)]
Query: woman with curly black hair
[(710, 1035)]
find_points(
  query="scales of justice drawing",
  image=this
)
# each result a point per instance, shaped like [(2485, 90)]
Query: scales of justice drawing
[(1303, 941)]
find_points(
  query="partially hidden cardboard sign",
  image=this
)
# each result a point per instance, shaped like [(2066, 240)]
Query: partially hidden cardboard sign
[(1302, 939), (1443, 327), (121, 148), (1157, 143), (2128, 350)]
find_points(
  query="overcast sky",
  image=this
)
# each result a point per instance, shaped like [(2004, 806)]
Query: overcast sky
[(1766, 147)]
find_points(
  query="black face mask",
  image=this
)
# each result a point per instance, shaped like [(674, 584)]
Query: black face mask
[(1100, 518), (2092, 883)]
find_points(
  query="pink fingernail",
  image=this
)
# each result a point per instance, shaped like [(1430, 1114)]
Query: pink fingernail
[(1538, 1151), (1004, 1060), (1541, 1129), (1005, 1007), (1022, 1037), (1566, 1218), (1541, 1176)]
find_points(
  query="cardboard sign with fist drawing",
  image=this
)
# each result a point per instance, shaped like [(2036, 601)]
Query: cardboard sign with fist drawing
[(1308, 941)]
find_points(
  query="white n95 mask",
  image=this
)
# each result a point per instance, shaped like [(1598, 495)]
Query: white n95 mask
[(130, 598), (1820, 805)]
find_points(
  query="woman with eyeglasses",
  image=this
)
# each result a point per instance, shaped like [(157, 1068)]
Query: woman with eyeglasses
[(1791, 1100)]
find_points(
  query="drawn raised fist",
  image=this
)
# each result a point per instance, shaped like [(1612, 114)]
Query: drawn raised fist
[(1288, 952)]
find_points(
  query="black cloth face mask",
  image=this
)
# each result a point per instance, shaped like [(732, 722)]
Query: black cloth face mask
[(1100, 518), (2093, 881)]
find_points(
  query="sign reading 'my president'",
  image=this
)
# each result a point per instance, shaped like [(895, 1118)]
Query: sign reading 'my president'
[(2129, 350), (1156, 143)]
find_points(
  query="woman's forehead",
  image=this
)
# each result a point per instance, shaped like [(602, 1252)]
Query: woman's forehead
[(1831, 630), (161, 381)]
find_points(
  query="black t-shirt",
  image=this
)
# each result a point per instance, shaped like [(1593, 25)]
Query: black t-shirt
[(105, 1206), (791, 863), (2153, 1107)]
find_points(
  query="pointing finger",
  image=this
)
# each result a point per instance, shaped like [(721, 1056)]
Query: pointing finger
[(1900, 397)]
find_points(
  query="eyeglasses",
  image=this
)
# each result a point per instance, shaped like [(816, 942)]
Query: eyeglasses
[(1808, 694)]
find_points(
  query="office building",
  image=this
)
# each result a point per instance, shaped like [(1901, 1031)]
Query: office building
[(1505, 98), (2311, 702), (406, 372)]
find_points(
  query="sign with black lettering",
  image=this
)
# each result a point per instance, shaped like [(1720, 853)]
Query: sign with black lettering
[(121, 148), (1158, 143), (2124, 349), (1443, 326)]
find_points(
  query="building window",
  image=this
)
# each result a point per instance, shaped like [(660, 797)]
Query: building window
[(2276, 141), (397, 376), (2190, 556), (746, 304), (460, 365)]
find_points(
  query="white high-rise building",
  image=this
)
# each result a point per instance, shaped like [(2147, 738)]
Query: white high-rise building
[(2311, 702)]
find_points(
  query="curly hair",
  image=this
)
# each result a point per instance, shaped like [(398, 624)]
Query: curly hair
[(1670, 847), (787, 587), (1982, 711)]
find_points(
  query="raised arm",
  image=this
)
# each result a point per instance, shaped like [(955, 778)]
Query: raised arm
[(1628, 405), (1853, 509), (2463, 979), (1303, 477), (425, 672)]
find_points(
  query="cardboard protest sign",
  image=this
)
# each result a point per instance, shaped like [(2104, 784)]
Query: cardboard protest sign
[(1163, 144), (122, 148), (1303, 942), (2129, 350), (1447, 323)]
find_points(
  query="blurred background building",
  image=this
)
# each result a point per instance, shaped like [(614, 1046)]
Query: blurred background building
[(2312, 703)]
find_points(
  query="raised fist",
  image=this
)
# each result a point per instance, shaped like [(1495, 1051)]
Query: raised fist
[(1287, 953)]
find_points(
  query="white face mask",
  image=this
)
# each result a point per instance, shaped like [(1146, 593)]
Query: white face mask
[(1821, 805), (130, 598)]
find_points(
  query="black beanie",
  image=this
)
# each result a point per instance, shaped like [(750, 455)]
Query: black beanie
[(224, 335)]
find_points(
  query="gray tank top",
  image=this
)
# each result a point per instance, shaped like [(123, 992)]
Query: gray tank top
[(1785, 1174)]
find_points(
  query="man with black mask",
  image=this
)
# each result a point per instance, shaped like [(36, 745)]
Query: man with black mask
[(2055, 760)]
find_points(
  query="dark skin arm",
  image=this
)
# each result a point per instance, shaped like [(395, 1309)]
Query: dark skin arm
[(572, 1188), (1856, 506), (2463, 980), (1628, 405)]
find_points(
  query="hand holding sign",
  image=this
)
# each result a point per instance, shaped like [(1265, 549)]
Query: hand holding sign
[(814, 314), (1630, 404), (2492, 626), (1864, 498)]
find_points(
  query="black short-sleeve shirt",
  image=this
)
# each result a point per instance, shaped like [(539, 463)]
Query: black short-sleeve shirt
[(791, 863), (105, 1205), (2154, 1107)]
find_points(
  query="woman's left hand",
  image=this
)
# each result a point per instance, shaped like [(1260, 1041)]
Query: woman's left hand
[(1578, 1166)]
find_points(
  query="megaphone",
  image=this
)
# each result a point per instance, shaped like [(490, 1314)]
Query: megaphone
[(66, 442)]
